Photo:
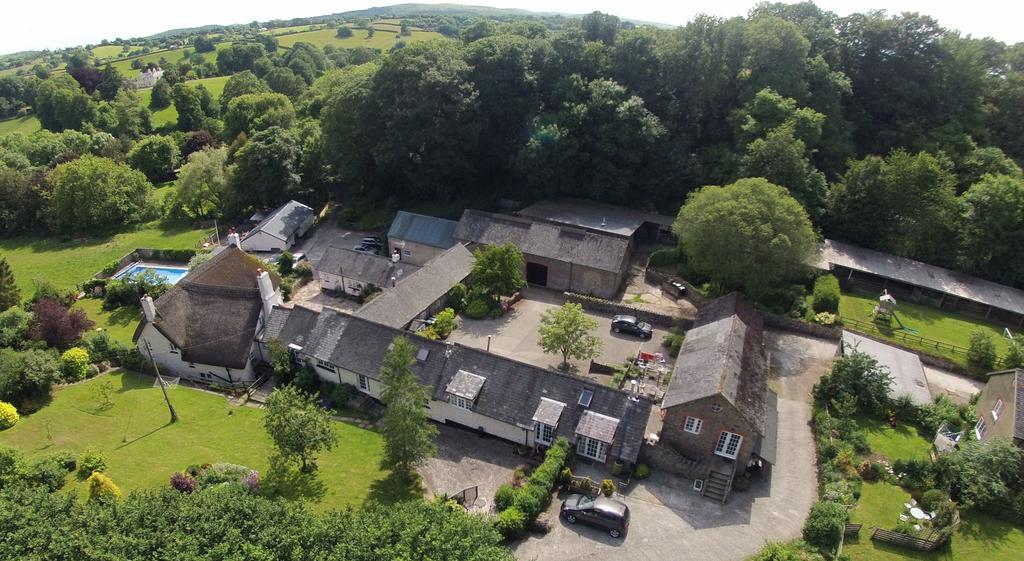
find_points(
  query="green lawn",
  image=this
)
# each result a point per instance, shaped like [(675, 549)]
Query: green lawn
[(112, 52), (978, 537), (142, 449), (926, 321), (27, 125), (172, 55), (170, 114), (67, 263), (119, 324), (904, 442), (381, 39)]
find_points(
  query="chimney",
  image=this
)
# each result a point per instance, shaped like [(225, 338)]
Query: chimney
[(234, 239), (148, 308), (269, 296), (396, 256)]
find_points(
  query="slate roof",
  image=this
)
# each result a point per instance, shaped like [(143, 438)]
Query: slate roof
[(724, 354), (920, 274), (512, 391), (363, 267), (548, 411), (284, 221), (546, 239), (595, 216), (419, 228), (597, 426), (907, 372), (767, 445), (1018, 388), (212, 313), (465, 384), (400, 305)]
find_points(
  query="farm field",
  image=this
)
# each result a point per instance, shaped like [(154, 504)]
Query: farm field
[(170, 114), (142, 449), (27, 125), (172, 55), (110, 52), (382, 40), (292, 29), (67, 263)]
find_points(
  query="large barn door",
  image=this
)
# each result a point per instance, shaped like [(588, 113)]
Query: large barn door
[(537, 274)]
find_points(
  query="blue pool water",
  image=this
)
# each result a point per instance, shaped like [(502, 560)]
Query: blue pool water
[(171, 274)]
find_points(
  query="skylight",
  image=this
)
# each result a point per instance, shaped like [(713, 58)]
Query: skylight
[(585, 396)]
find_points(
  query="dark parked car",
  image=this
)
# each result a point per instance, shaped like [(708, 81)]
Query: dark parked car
[(366, 249), (607, 514), (632, 326), (374, 241)]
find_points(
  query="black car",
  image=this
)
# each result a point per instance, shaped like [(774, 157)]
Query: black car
[(374, 241), (363, 248), (632, 326), (608, 514)]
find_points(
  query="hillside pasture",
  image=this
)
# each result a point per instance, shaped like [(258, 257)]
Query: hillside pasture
[(382, 39), (114, 52), (172, 55), (169, 115), (27, 125)]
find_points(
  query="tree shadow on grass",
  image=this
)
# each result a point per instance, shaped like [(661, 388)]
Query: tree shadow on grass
[(397, 487), (124, 316), (286, 479)]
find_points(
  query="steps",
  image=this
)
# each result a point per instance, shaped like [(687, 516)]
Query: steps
[(717, 486)]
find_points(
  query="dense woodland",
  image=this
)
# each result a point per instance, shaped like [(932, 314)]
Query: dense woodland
[(892, 132)]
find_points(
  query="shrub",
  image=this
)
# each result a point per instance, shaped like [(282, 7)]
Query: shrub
[(642, 471), (307, 380), (981, 354), (287, 286), (477, 307), (566, 475), (826, 294), (222, 473), (457, 297), (827, 319), (511, 523), (66, 460), (183, 482), (340, 395), (916, 475), (102, 487), (504, 496), (91, 461), (8, 415), (251, 481), (932, 498), (842, 492), (285, 263), (530, 500), (304, 270), (428, 333), (74, 364), (905, 527), (665, 256), (872, 471), (608, 487), (674, 341), (48, 473), (825, 524), (444, 323)]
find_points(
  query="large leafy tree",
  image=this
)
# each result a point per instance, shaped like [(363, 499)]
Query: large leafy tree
[(57, 325), (783, 159), (124, 116), (567, 331), (10, 296), (60, 103), (240, 84), (96, 193), (27, 376), (298, 426), (859, 377), (266, 168), (993, 228), (983, 474), (250, 113), (409, 435), (750, 235), (156, 156), (110, 82), (498, 269), (188, 102), (203, 183), (346, 121)]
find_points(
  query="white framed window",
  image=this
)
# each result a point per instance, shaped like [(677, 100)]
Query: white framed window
[(979, 428), (591, 448), (364, 383), (325, 365), (406, 252), (460, 402), (173, 347), (728, 445), (545, 433), (997, 409), (693, 424)]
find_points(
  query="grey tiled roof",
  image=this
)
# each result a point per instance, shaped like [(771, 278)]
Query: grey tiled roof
[(364, 267), (284, 221), (212, 313), (419, 228), (400, 305), (1018, 420), (545, 239), (921, 274), (907, 372), (723, 355), (548, 411), (595, 216), (597, 426), (512, 393), (465, 384)]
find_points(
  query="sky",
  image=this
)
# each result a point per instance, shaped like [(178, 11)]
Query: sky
[(52, 24)]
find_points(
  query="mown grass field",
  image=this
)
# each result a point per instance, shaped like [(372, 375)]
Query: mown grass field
[(27, 125), (67, 263), (382, 39), (142, 449), (902, 442), (119, 324), (111, 52), (172, 55), (170, 114)]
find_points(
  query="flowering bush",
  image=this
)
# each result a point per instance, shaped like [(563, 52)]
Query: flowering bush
[(183, 482), (251, 481), (8, 415)]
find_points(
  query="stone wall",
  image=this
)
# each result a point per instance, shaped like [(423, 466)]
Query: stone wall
[(782, 323), (663, 458), (599, 305)]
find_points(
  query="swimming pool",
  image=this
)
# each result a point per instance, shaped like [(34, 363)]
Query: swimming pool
[(171, 274)]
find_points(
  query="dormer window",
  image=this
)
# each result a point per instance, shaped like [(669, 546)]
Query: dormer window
[(546, 420), (460, 402), (464, 388)]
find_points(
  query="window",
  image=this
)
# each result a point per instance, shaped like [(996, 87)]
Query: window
[(174, 348), (406, 252), (585, 396), (716, 408), (593, 449), (325, 365), (693, 424), (997, 409), (364, 383), (460, 402), (979, 429), (545, 433), (728, 444)]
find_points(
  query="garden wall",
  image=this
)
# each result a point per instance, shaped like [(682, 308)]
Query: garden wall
[(664, 458), (593, 304), (143, 253), (783, 323), (661, 279)]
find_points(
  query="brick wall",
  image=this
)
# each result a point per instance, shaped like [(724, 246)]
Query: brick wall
[(702, 446)]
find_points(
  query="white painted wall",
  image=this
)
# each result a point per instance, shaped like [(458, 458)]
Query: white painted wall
[(330, 281), (262, 241), (442, 411), (171, 363)]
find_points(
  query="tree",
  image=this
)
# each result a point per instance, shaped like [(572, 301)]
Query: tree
[(10, 295), (299, 427), (751, 235), (981, 354), (58, 326), (369, 32), (825, 524), (160, 96), (345, 121), (203, 44), (983, 474), (124, 117), (26, 377), (600, 27), (344, 32), (992, 232), (61, 104), (859, 377), (203, 183), (1014, 357), (110, 82), (566, 330), (156, 156), (498, 269), (783, 159), (266, 168), (408, 433), (188, 102), (286, 82), (240, 84), (251, 113), (93, 193)]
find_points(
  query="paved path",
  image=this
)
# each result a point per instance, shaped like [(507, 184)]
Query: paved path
[(956, 387), (669, 521)]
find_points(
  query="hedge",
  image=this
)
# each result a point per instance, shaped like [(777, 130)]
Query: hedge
[(825, 524), (535, 496), (826, 294)]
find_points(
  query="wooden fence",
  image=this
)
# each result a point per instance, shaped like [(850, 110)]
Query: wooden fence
[(904, 337), (930, 542)]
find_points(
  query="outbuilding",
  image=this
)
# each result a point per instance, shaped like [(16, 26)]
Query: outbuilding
[(279, 230)]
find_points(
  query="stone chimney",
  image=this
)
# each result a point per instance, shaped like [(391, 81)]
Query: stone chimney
[(234, 239), (269, 296), (149, 308)]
